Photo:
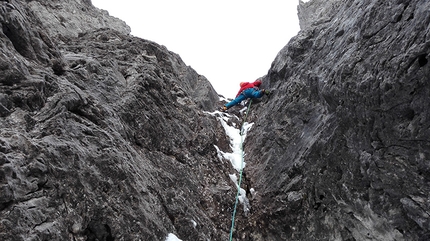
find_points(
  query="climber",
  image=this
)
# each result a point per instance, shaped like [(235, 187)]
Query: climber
[(247, 90)]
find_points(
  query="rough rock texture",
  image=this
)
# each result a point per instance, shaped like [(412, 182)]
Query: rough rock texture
[(69, 18), (103, 136), (316, 12), (342, 149)]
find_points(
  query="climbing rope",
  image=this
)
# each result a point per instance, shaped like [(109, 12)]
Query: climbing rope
[(240, 172)]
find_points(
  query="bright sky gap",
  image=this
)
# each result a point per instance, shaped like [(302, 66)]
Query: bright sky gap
[(228, 42)]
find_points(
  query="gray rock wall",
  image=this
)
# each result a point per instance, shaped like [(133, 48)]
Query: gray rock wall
[(103, 136), (69, 18), (341, 150), (315, 12)]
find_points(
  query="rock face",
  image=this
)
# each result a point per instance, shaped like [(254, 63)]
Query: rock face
[(105, 136), (316, 12), (70, 18), (342, 149)]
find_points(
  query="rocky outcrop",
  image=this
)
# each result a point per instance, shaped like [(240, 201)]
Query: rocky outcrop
[(341, 151), (69, 18), (104, 136), (316, 12)]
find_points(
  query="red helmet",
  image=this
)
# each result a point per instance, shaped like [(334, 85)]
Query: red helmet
[(257, 82)]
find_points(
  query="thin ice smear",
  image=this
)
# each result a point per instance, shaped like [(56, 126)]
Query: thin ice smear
[(235, 157), (242, 195)]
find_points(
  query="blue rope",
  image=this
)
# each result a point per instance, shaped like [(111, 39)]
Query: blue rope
[(240, 172)]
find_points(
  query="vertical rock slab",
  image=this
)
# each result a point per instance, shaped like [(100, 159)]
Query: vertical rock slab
[(341, 150)]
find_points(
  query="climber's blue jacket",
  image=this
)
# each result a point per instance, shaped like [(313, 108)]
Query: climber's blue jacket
[(247, 93)]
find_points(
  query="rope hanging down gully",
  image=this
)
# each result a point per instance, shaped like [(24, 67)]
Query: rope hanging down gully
[(240, 172)]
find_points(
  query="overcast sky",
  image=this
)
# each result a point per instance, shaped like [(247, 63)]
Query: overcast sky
[(227, 41)]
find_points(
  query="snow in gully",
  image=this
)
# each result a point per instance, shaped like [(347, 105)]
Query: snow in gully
[(236, 156)]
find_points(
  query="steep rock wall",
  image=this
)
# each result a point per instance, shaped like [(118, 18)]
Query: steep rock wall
[(104, 136), (341, 150)]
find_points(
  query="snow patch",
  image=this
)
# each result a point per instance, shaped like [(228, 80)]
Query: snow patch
[(242, 195), (222, 98), (236, 140), (194, 223), (172, 237), (235, 157)]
